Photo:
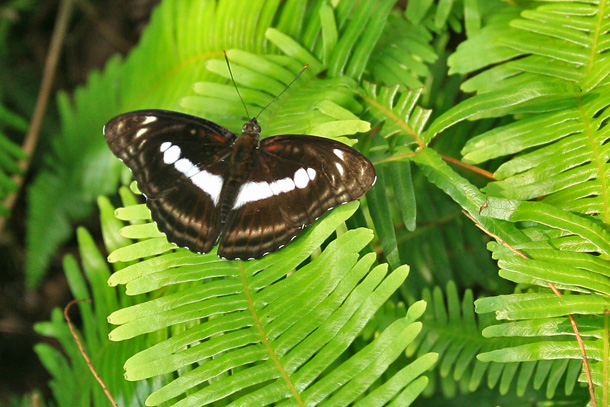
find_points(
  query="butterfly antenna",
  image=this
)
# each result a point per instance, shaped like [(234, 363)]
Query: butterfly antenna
[(282, 92), (235, 84)]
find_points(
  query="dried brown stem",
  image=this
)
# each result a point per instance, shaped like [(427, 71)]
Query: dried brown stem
[(469, 167), (82, 351), (31, 138)]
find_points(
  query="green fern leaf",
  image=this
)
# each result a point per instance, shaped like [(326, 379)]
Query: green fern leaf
[(471, 361), (245, 327), (572, 119), (568, 255), (557, 94), (396, 117)]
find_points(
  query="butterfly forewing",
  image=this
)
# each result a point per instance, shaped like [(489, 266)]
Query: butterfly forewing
[(179, 162), (152, 143), (294, 180)]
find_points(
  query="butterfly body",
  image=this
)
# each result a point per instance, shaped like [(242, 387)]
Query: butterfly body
[(241, 163), (204, 185)]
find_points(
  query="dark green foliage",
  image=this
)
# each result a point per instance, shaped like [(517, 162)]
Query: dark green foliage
[(10, 155)]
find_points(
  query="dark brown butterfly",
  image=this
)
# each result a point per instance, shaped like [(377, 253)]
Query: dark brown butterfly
[(204, 185)]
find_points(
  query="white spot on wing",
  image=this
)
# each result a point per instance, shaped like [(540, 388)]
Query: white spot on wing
[(340, 168), (172, 154), (149, 119), (282, 185), (252, 191), (209, 183), (339, 153), (165, 146), (185, 166), (311, 173), (206, 181), (141, 132), (301, 179)]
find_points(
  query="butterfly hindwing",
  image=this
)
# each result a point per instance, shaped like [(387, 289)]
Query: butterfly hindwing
[(294, 180), (179, 162), (188, 216)]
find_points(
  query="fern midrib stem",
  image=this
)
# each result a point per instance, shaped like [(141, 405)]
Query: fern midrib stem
[(595, 41), (397, 120), (265, 340), (606, 360), (598, 163)]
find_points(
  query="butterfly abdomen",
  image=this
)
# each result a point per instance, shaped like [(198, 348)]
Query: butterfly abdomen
[(240, 167)]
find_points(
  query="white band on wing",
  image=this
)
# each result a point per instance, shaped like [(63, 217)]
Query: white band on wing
[(209, 183), (256, 191)]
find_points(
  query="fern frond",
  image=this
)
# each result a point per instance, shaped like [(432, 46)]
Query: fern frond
[(567, 254), (403, 120), (569, 251), (392, 202), (400, 120), (555, 352), (354, 46), (243, 335), (79, 171), (563, 106), (557, 152), (560, 118), (452, 330)]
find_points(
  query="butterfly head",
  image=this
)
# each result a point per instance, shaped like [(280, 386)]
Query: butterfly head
[(251, 129)]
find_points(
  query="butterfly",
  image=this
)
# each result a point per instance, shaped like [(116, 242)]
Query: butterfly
[(205, 185)]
